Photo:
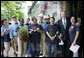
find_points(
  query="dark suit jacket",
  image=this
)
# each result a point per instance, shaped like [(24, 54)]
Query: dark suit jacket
[(64, 32)]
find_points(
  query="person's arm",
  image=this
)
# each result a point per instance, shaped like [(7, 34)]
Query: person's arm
[(76, 37), (30, 29), (48, 35), (59, 28), (2, 31), (39, 30), (55, 35)]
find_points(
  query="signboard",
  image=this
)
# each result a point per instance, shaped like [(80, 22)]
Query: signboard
[(52, 5), (43, 6), (53, 8)]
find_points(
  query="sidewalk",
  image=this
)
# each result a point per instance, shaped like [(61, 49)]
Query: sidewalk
[(11, 54)]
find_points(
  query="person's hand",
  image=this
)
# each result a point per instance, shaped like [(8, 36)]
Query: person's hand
[(59, 37), (5, 31), (30, 32), (77, 24), (52, 38), (57, 32), (74, 43), (37, 30)]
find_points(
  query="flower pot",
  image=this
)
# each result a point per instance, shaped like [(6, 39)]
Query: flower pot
[(23, 39)]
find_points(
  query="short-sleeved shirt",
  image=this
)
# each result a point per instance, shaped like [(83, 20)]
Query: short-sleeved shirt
[(14, 29), (7, 33), (44, 25), (36, 36), (52, 29), (72, 32)]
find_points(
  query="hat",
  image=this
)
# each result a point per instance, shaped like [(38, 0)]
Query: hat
[(40, 15), (3, 19), (46, 16), (14, 17)]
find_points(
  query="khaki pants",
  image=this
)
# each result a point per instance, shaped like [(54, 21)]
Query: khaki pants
[(22, 47), (7, 48), (43, 45), (16, 41)]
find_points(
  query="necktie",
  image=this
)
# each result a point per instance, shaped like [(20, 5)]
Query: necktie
[(64, 23)]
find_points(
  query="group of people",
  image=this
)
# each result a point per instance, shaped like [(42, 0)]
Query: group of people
[(42, 36)]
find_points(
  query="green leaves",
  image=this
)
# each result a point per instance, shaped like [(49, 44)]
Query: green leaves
[(11, 8), (23, 31)]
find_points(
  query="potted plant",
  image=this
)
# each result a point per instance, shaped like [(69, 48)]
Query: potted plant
[(23, 33)]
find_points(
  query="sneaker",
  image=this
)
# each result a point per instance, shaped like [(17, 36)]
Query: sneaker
[(15, 54), (26, 55), (29, 55)]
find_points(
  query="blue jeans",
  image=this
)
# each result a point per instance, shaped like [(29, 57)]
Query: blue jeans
[(49, 50), (35, 49), (28, 47)]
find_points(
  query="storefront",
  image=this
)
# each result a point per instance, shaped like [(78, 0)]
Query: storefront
[(51, 8), (54, 8)]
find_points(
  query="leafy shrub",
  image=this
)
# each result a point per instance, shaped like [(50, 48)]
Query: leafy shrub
[(23, 32)]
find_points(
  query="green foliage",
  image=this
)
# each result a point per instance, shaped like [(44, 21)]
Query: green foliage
[(23, 31), (11, 8)]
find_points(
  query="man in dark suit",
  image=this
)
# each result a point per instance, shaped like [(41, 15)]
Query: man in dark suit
[(64, 24)]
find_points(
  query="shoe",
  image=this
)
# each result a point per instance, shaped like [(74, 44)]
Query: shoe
[(2, 55), (29, 55), (26, 55), (15, 54)]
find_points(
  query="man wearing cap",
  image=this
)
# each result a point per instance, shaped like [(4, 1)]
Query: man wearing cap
[(44, 25), (41, 23), (14, 34)]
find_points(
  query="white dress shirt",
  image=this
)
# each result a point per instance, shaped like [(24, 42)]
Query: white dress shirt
[(64, 22)]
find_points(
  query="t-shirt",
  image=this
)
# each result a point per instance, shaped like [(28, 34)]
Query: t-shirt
[(35, 36), (7, 33), (52, 29), (72, 32), (44, 25), (14, 29)]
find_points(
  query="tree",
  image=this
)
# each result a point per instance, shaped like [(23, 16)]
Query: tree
[(35, 11), (11, 8)]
